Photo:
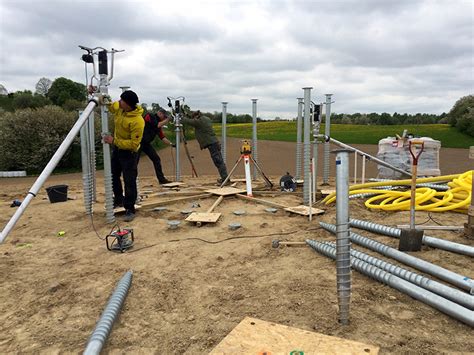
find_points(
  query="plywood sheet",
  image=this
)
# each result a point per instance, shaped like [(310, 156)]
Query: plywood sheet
[(226, 191), (203, 217), (304, 210), (254, 336)]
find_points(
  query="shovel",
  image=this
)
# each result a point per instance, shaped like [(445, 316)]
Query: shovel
[(411, 239)]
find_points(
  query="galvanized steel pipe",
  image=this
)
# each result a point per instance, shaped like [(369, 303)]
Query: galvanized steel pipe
[(109, 195), (299, 127), (343, 242), (442, 304), (92, 158), (327, 133), (427, 240), (110, 314), (224, 132), (86, 166), (370, 157), (306, 144), (450, 293), (254, 136), (463, 282)]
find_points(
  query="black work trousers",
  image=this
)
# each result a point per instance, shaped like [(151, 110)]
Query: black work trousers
[(216, 156), (125, 162), (148, 149)]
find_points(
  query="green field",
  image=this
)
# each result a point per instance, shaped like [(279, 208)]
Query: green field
[(449, 136)]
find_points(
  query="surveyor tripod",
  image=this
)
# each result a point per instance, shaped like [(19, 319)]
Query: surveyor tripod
[(245, 154)]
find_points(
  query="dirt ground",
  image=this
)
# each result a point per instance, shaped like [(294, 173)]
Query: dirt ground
[(187, 294)]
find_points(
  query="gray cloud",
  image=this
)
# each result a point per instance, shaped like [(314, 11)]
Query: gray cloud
[(375, 56)]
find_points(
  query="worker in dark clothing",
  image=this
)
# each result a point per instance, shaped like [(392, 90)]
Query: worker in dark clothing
[(207, 140), (154, 126)]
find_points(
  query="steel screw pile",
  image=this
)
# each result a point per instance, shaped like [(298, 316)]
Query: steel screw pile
[(106, 321), (453, 309), (299, 126), (427, 240), (306, 144), (450, 293), (463, 282), (343, 242)]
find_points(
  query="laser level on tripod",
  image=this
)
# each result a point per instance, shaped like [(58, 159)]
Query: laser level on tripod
[(246, 155)]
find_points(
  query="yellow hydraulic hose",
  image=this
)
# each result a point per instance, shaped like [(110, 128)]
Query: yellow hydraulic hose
[(456, 199)]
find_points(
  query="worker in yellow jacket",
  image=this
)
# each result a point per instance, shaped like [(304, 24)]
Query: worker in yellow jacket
[(127, 136)]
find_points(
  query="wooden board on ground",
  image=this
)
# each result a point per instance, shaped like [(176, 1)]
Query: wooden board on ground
[(173, 184), (239, 180), (179, 199), (255, 336), (325, 192), (304, 210), (121, 210), (203, 217), (259, 200), (226, 191)]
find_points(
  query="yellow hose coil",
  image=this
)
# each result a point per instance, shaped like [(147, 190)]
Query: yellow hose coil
[(456, 199)]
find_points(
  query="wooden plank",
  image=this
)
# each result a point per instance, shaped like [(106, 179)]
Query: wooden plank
[(215, 204), (276, 193), (325, 192), (179, 199), (255, 336), (259, 200), (175, 193), (226, 191), (304, 210), (121, 210), (203, 217), (173, 184)]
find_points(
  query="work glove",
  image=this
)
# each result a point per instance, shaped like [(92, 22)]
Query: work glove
[(103, 99)]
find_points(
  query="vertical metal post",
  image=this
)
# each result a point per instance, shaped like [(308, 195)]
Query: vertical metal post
[(363, 169), (343, 242), (254, 136), (178, 145), (306, 144), (327, 132), (316, 128), (224, 131), (103, 89), (299, 127), (92, 159), (355, 168), (86, 173)]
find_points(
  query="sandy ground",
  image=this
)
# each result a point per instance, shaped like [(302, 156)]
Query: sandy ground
[(186, 294)]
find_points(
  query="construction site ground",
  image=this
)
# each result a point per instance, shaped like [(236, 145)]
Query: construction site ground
[(188, 294)]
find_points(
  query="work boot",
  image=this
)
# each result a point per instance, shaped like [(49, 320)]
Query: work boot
[(118, 204), (129, 216), (164, 181)]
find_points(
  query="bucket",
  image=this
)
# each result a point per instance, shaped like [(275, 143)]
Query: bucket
[(57, 193)]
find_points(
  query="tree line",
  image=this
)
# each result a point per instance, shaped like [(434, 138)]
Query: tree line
[(71, 96)]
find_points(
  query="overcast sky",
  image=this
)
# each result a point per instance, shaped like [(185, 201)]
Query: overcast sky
[(373, 55)]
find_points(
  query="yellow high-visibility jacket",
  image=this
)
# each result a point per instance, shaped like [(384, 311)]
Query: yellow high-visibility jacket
[(128, 127)]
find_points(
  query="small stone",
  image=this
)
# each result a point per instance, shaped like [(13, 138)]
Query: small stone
[(190, 318), (393, 298), (220, 258), (193, 337)]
